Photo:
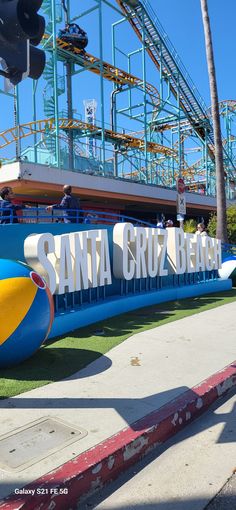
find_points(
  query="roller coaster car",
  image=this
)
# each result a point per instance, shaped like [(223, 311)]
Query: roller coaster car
[(74, 35)]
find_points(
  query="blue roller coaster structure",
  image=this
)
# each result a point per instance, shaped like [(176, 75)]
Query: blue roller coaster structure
[(149, 133)]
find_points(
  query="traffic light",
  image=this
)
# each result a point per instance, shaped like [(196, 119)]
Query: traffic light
[(21, 29)]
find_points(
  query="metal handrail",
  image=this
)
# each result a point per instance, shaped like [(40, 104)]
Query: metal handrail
[(88, 216)]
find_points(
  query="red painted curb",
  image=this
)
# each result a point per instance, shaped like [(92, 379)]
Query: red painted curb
[(64, 487)]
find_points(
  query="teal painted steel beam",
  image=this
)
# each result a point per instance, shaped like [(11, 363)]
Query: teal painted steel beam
[(144, 99), (34, 90), (85, 13), (55, 80), (17, 121), (9, 94), (103, 157)]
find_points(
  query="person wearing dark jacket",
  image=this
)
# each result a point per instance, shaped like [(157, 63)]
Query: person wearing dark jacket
[(7, 208), (70, 206)]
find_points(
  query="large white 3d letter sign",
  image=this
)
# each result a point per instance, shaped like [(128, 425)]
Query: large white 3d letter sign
[(81, 260)]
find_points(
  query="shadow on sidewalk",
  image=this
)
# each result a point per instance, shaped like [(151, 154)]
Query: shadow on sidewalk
[(225, 500), (121, 405), (221, 502), (138, 413)]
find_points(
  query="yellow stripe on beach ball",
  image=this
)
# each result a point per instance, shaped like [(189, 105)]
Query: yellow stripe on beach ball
[(16, 297)]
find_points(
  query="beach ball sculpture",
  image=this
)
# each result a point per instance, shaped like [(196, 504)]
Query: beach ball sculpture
[(26, 312), (228, 269)]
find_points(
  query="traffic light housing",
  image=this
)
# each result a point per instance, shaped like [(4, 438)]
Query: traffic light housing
[(21, 30)]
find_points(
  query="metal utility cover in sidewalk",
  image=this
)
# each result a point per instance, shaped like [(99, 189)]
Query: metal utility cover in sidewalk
[(37, 440)]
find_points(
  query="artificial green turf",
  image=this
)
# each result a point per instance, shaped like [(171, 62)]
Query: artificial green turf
[(64, 356)]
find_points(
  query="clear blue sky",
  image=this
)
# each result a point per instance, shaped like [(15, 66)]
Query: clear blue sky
[(183, 24), (181, 20)]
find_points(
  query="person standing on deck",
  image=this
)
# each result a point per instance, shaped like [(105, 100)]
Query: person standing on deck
[(69, 204)]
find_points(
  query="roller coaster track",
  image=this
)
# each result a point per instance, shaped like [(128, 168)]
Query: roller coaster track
[(225, 106), (121, 78), (108, 71), (160, 48), (231, 103), (124, 141)]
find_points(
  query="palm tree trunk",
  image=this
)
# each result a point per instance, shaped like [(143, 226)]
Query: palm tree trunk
[(221, 232)]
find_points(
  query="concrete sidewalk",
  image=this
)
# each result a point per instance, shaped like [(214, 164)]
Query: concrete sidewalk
[(118, 408)]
